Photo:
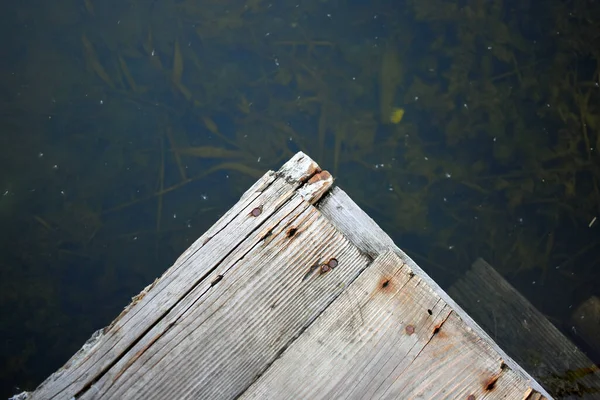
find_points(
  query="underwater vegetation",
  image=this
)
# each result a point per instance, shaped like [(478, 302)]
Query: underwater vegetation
[(466, 129)]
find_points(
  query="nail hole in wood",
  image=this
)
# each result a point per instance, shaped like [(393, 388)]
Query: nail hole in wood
[(491, 384), (291, 232)]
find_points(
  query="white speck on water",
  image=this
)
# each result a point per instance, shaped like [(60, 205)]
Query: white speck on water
[(258, 159), (203, 196)]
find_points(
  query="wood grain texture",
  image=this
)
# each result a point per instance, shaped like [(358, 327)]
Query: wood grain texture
[(223, 336), (388, 336), (524, 333), (294, 293), (148, 311), (365, 234)]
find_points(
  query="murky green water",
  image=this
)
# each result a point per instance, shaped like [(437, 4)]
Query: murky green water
[(465, 130)]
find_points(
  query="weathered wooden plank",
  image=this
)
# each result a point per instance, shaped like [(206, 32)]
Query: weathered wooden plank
[(250, 290), (524, 333), (147, 310), (231, 332), (364, 233), (388, 336)]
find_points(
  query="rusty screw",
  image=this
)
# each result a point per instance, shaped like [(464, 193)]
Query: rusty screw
[(325, 268), (256, 212), (471, 397), (332, 263), (410, 329)]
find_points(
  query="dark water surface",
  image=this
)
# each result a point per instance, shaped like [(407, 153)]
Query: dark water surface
[(129, 127)]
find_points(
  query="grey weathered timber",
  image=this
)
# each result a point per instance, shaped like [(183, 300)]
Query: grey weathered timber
[(525, 334), (294, 293), (388, 335)]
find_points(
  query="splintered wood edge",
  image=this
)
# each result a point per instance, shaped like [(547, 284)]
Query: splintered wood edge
[(316, 187), (299, 168), (302, 169)]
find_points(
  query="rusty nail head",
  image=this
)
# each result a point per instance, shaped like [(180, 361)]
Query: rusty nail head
[(325, 268), (410, 329), (256, 212), (333, 263), (471, 397)]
